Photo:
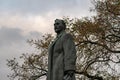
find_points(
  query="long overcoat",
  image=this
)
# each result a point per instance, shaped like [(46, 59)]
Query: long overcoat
[(61, 56)]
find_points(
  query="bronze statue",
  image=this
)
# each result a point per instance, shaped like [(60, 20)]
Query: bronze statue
[(61, 54)]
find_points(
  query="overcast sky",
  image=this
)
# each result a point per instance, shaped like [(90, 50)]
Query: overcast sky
[(24, 19)]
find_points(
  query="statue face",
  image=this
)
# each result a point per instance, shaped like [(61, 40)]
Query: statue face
[(58, 26)]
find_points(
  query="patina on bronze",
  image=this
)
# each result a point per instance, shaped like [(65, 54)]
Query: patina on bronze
[(61, 54)]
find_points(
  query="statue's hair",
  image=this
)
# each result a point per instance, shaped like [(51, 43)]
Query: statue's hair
[(62, 22)]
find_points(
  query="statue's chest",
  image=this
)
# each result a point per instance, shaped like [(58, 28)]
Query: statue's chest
[(58, 46)]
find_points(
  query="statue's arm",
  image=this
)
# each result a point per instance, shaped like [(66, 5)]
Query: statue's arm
[(69, 53)]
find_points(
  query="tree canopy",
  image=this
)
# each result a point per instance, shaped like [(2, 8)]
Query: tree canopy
[(97, 41)]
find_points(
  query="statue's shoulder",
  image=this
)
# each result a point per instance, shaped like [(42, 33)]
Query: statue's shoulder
[(67, 35)]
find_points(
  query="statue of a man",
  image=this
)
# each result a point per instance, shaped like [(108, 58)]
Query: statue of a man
[(62, 54)]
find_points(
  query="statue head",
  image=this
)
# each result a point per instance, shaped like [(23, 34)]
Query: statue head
[(59, 25)]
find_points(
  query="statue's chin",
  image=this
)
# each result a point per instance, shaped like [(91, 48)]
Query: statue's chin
[(57, 30)]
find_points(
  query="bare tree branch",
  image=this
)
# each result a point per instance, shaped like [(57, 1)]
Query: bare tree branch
[(104, 46), (89, 76)]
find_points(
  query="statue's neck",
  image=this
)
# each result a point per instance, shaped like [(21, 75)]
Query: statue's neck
[(58, 34)]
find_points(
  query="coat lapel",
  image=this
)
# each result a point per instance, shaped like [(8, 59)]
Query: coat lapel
[(53, 42), (58, 37)]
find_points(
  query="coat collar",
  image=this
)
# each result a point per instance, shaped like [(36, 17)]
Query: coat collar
[(58, 36)]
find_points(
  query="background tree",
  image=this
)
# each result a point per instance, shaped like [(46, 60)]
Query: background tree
[(97, 42), (34, 64)]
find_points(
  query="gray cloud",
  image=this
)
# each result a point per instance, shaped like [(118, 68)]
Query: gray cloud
[(10, 35), (43, 6), (13, 44)]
